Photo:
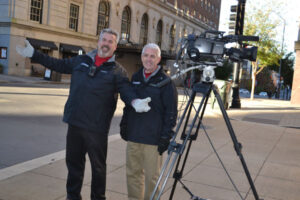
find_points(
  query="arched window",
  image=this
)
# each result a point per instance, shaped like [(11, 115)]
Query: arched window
[(159, 33), (144, 30), (125, 26), (172, 38), (103, 16)]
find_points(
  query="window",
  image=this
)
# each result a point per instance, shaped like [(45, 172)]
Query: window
[(103, 16), (159, 33), (144, 30), (125, 26), (74, 15), (3, 52), (36, 10), (172, 38)]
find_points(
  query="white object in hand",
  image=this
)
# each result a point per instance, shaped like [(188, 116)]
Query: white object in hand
[(141, 105), (26, 51)]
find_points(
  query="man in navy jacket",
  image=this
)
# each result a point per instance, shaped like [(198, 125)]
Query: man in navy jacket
[(96, 80), (148, 134)]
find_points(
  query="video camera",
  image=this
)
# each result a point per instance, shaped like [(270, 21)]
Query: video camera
[(207, 51), (210, 47)]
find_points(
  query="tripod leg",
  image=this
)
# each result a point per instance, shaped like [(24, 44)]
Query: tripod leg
[(178, 173), (237, 145), (173, 147)]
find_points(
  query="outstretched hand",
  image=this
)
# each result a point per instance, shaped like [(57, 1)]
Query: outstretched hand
[(26, 51), (141, 105)]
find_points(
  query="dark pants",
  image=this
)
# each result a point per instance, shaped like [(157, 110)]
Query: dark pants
[(80, 142)]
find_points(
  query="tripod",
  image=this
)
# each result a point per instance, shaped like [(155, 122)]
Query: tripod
[(187, 138)]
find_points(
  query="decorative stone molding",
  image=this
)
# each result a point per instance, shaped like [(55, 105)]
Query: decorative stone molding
[(154, 22), (78, 1), (117, 6), (137, 16), (167, 28)]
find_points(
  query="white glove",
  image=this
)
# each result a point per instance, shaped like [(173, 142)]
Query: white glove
[(26, 51), (141, 105)]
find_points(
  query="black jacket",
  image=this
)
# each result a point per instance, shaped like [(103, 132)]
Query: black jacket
[(92, 98), (149, 127)]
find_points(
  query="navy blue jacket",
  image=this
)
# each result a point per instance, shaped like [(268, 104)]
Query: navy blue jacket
[(92, 98), (149, 127)]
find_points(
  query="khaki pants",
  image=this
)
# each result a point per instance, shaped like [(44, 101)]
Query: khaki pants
[(143, 165)]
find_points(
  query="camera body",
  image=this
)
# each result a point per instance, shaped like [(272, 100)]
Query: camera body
[(205, 49), (210, 47)]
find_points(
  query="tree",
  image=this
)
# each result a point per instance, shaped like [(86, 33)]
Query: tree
[(287, 70), (265, 82), (258, 22)]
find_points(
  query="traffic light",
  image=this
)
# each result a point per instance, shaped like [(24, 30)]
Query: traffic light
[(237, 17)]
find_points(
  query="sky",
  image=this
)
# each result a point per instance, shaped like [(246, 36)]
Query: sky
[(289, 12)]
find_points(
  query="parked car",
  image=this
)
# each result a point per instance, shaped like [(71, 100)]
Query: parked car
[(264, 94), (244, 91)]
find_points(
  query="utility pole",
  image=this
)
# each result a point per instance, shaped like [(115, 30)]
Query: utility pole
[(238, 18)]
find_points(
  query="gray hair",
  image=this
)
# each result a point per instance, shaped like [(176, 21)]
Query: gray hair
[(152, 46), (109, 31)]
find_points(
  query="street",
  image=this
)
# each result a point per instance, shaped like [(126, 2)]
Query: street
[(31, 122)]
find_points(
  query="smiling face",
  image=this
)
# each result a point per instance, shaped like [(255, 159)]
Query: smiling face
[(150, 60), (107, 45)]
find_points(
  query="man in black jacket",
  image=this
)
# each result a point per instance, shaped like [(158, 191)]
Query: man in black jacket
[(148, 134), (96, 80)]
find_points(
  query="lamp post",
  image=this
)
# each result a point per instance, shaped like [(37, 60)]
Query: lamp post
[(280, 62), (239, 26)]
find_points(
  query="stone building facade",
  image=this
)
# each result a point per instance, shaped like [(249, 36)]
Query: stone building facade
[(295, 97), (64, 28)]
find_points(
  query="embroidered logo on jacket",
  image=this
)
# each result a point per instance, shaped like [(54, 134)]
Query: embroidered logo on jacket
[(136, 82), (85, 65)]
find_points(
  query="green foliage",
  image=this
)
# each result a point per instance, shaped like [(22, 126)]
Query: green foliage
[(224, 72), (258, 21)]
